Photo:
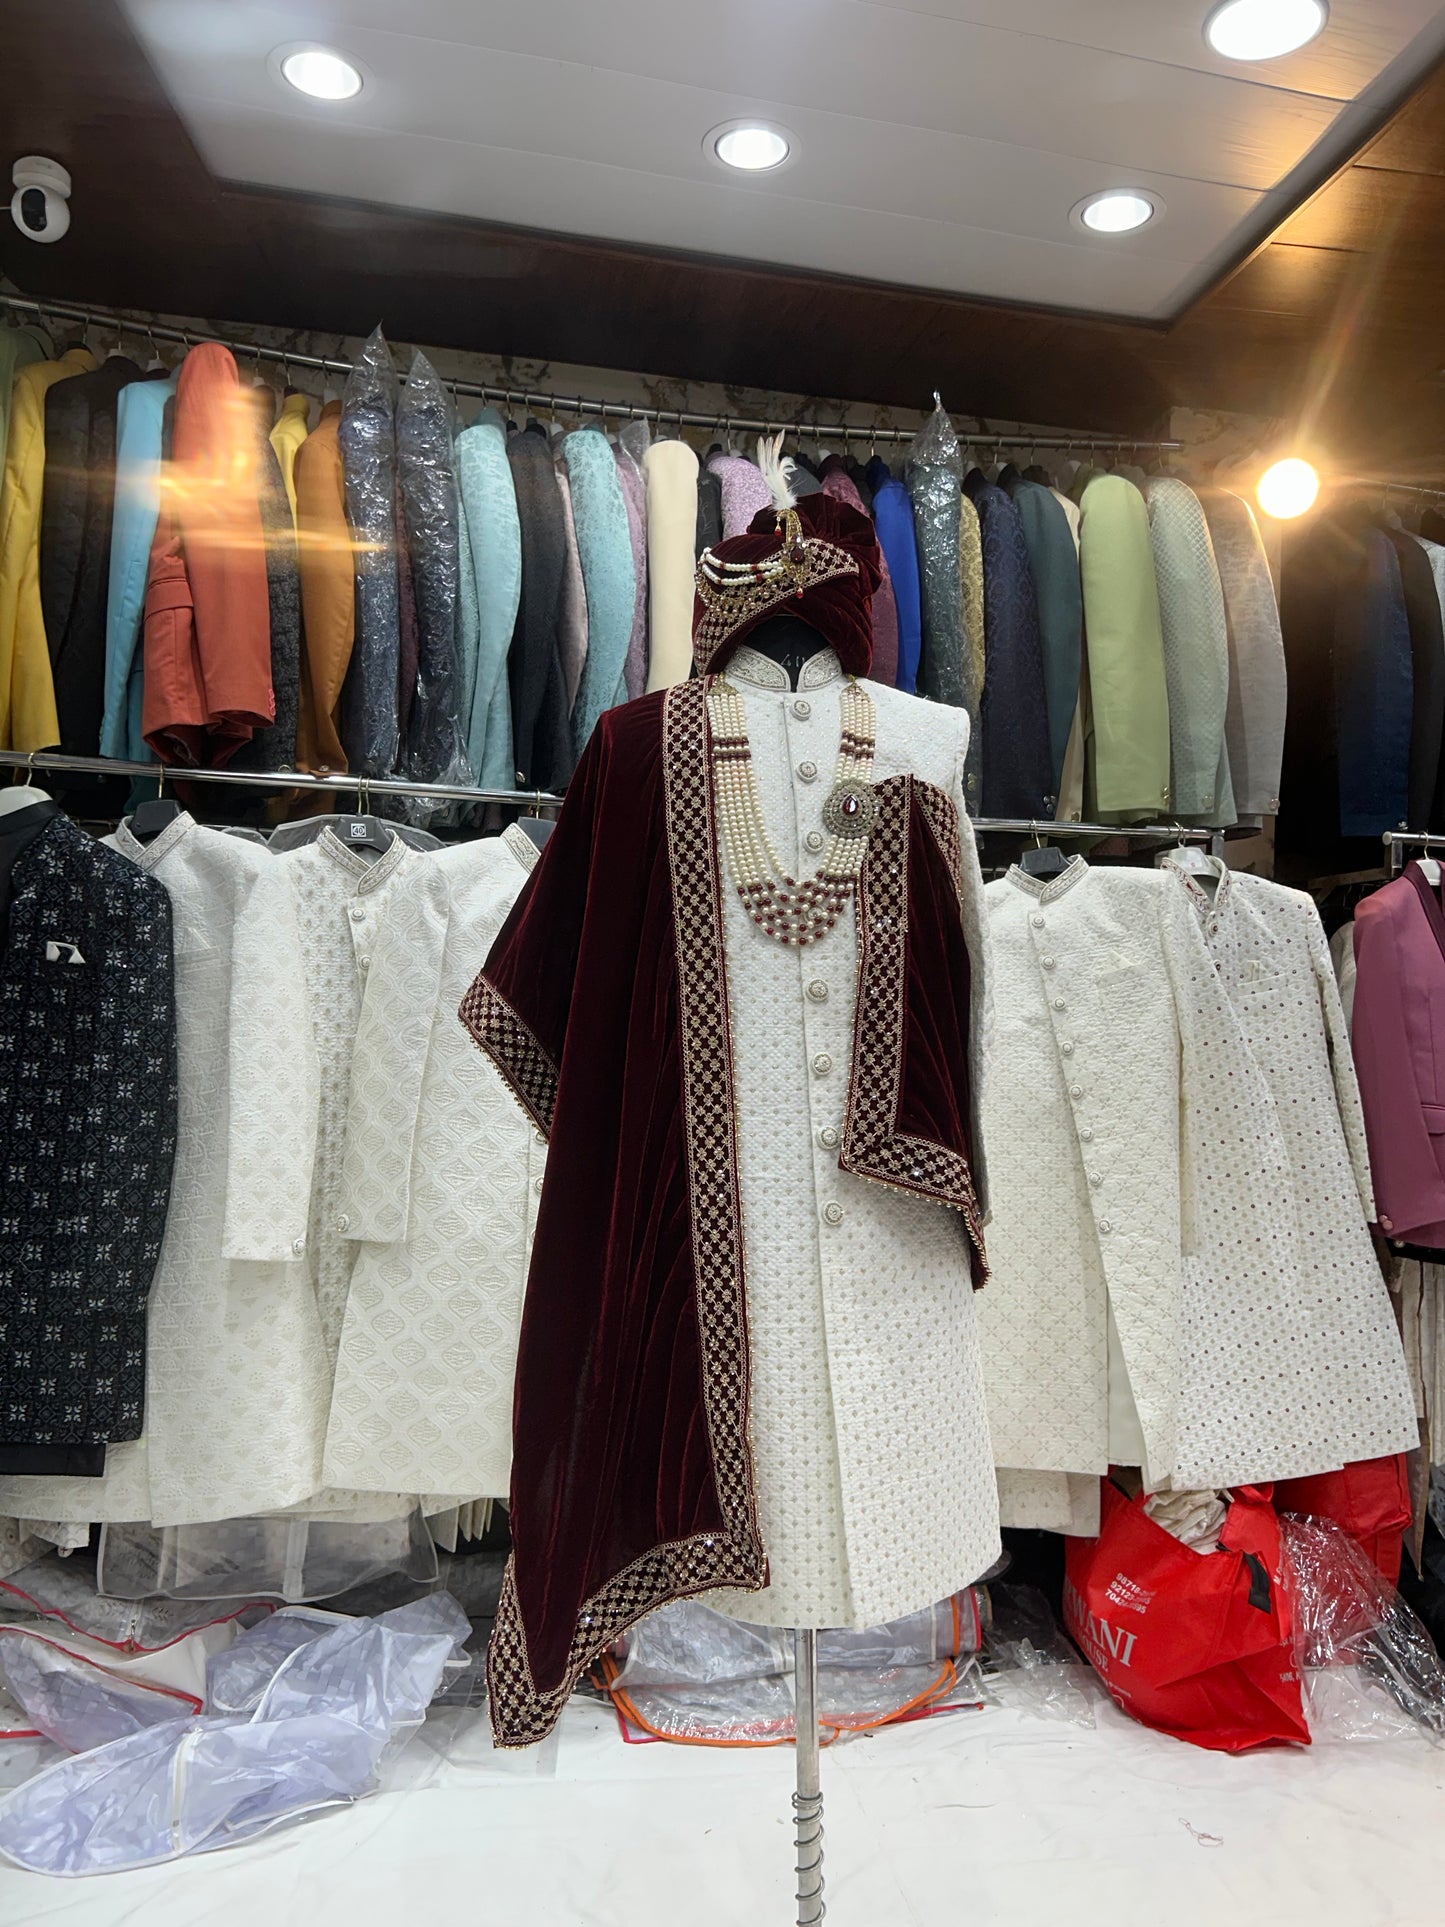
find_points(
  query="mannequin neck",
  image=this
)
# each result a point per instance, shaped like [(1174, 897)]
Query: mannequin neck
[(788, 642)]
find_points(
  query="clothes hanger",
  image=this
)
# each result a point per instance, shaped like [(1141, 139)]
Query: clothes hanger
[(23, 795), (1044, 859), (157, 813)]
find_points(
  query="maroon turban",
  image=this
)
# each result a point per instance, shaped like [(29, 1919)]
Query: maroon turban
[(832, 568)]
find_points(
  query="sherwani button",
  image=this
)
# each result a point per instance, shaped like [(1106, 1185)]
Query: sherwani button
[(808, 771), (1076, 1090), (537, 1184), (1387, 1224), (1066, 1050), (828, 1138), (298, 1245), (1105, 1225), (1049, 963), (814, 839), (802, 708), (357, 912), (833, 1213), (343, 1223), (1087, 1135), (1037, 922), (1095, 1178), (818, 991), (1059, 1004), (822, 1063)]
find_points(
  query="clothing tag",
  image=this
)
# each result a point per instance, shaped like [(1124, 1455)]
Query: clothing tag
[(364, 833), (62, 953)]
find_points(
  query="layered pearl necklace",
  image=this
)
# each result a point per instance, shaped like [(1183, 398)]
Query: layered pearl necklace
[(789, 911)]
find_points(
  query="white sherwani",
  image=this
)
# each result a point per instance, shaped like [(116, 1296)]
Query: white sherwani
[(870, 1441), (237, 1375), (440, 1181), (1151, 1301), (1274, 964)]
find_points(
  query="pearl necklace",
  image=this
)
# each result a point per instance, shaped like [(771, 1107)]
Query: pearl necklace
[(792, 912)]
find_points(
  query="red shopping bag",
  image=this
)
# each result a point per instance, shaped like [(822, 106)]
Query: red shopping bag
[(1370, 1499), (1197, 1644)]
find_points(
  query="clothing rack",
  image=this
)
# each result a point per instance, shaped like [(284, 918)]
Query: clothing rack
[(1396, 841), (577, 405), (362, 787), (365, 787)]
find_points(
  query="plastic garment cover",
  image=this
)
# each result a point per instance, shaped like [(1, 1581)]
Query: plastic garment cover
[(945, 670), (319, 1729), (434, 749), (81, 1694), (64, 1590), (1370, 1669), (369, 718), (292, 1559), (689, 1673)]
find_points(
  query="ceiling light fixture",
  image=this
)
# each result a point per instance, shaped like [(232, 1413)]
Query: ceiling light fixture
[(1288, 489), (321, 73), (1118, 210), (1264, 29), (749, 146)]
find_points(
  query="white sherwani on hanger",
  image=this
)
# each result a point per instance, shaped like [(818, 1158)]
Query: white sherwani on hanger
[(1349, 1390), (871, 1450), (237, 1375), (440, 1181)]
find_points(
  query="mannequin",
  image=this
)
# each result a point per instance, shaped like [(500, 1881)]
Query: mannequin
[(788, 641)]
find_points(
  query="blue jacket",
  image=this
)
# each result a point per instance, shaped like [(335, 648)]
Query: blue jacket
[(893, 519)]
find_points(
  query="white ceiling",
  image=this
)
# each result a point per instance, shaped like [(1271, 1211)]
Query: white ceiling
[(938, 143)]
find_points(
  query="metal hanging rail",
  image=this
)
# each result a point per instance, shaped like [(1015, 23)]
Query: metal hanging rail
[(157, 331), (1397, 840), (364, 787), (361, 787)]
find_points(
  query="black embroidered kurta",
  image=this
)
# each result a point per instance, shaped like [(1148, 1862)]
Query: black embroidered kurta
[(87, 1132)]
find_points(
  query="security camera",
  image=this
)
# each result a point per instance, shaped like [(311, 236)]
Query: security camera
[(40, 205)]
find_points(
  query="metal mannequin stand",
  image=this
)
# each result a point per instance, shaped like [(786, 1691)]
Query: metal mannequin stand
[(808, 1799)]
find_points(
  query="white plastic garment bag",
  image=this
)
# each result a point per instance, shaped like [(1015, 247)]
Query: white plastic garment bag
[(315, 1739)]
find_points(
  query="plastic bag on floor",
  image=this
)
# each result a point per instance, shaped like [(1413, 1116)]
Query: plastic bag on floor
[(64, 1590), (689, 1673), (81, 1695), (1029, 1661), (1369, 1667), (317, 1736)]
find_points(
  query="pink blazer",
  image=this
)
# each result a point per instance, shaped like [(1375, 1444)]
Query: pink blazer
[(1398, 1037)]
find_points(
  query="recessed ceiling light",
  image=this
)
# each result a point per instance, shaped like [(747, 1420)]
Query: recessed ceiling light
[(1287, 489), (321, 73), (1263, 29), (1119, 210), (749, 145)]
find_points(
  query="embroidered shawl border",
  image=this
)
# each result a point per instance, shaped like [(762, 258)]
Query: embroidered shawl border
[(873, 1147), (733, 1556)]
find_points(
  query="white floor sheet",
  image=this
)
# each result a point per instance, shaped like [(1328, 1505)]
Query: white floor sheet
[(977, 1818)]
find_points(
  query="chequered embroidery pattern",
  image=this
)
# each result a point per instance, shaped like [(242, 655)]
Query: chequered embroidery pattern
[(529, 1072), (872, 1146), (521, 1714)]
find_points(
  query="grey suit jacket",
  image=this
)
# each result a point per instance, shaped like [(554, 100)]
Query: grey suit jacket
[(1196, 651), (1254, 722)]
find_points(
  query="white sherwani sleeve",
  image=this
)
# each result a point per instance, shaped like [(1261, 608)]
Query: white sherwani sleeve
[(398, 1011), (274, 1079)]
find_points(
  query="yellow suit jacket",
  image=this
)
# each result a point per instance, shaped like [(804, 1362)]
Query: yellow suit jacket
[(27, 689), (286, 437)]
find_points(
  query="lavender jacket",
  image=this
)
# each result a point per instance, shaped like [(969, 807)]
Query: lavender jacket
[(1398, 1037)]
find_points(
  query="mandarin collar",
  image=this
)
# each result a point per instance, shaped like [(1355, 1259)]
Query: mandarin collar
[(368, 871), (1047, 888), (147, 855), (1209, 908), (751, 666)]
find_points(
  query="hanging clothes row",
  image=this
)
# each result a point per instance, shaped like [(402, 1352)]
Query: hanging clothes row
[(335, 1285), (1363, 602), (1183, 1274), (186, 573)]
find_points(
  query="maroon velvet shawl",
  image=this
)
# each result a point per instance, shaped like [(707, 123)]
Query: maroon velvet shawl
[(604, 1005)]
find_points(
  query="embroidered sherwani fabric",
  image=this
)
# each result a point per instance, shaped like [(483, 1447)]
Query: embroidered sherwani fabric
[(440, 1180), (237, 1376), (1274, 963), (1196, 651), (871, 1450)]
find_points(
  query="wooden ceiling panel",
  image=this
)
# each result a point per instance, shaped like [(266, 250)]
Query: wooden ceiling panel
[(1336, 319)]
